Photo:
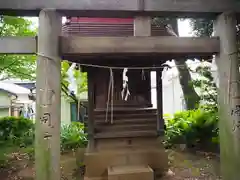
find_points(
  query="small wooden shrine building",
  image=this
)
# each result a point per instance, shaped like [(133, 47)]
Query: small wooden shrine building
[(129, 128)]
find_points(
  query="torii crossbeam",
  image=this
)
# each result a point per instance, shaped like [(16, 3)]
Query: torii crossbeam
[(123, 8)]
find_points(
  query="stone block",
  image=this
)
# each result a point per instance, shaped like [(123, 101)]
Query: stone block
[(127, 172)]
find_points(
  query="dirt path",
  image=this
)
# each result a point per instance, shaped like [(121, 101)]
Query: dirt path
[(183, 166)]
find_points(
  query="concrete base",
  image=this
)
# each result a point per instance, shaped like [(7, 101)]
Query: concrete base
[(95, 178), (98, 161), (130, 173)]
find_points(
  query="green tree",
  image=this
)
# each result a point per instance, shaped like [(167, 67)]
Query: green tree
[(24, 66), (80, 77), (208, 88), (191, 98), (16, 66), (202, 27)]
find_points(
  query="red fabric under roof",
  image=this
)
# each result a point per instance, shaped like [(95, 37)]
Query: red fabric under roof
[(105, 27), (101, 20)]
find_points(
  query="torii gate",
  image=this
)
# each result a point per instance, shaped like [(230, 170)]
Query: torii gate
[(50, 48)]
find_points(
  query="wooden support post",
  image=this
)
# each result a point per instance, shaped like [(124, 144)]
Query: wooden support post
[(160, 121), (149, 93), (48, 102), (229, 96), (142, 26), (91, 143)]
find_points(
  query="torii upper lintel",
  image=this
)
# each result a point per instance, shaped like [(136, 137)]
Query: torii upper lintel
[(123, 8)]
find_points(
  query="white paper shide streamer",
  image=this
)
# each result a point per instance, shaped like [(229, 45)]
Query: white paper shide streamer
[(72, 87), (125, 92), (74, 83)]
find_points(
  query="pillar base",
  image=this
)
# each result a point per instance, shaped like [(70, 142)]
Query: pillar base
[(98, 162)]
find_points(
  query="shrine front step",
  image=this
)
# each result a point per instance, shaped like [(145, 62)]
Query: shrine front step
[(131, 105), (96, 178), (125, 127), (126, 134), (126, 123), (120, 119), (147, 123), (117, 111), (126, 172)]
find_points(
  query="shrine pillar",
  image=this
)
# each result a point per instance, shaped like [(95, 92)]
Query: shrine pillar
[(159, 89), (229, 95), (142, 26), (91, 106), (48, 100)]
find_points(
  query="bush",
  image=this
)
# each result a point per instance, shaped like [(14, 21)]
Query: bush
[(15, 130), (73, 136), (17, 135), (192, 128), (18, 131)]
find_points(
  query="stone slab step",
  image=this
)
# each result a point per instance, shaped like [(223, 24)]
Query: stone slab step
[(128, 121), (125, 134), (95, 178), (126, 110), (130, 172), (128, 116), (125, 127)]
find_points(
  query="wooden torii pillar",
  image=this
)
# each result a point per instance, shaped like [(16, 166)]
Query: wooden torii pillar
[(229, 96), (48, 101)]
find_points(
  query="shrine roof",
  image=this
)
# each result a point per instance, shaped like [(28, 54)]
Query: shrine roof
[(100, 20), (106, 27)]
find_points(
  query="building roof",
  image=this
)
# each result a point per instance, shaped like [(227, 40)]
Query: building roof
[(13, 88), (27, 85), (23, 83)]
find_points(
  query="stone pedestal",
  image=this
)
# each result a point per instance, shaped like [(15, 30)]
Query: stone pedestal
[(138, 153)]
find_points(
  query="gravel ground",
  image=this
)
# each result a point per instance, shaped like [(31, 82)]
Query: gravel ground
[(183, 166), (189, 166)]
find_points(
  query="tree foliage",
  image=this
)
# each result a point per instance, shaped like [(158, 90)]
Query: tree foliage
[(16, 66), (80, 78), (202, 27), (207, 86), (195, 128), (24, 66)]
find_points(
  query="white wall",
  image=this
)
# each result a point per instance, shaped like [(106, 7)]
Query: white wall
[(173, 100), (5, 103), (5, 100), (65, 111), (172, 94), (172, 97)]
